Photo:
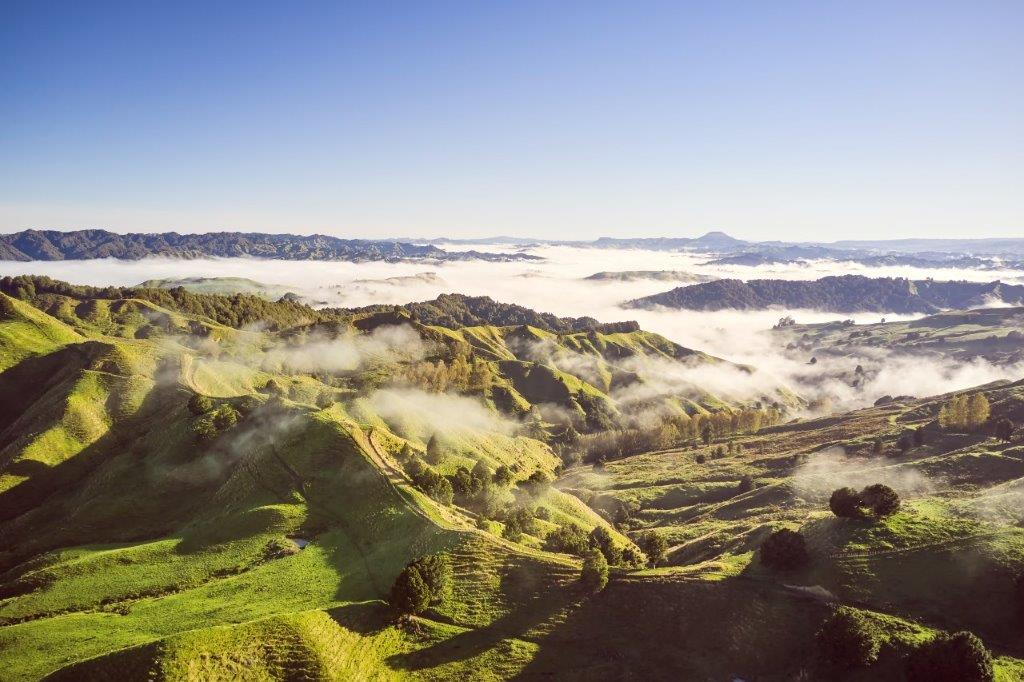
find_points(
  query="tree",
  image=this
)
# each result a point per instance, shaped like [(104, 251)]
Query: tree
[(433, 450), (594, 575), (436, 571), (878, 447), (204, 428), (569, 538), (410, 593), (745, 485), (1004, 429), (960, 657), (846, 503), (978, 410), (199, 404), (601, 539), (881, 500), (919, 437), (784, 550), (847, 640), (653, 545), (225, 417), (905, 442), (519, 520), (707, 434), (503, 476)]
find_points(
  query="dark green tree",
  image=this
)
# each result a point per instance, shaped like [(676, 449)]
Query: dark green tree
[(653, 545), (1004, 429), (881, 500), (846, 503), (503, 476), (601, 539), (847, 640), (199, 404), (436, 571), (569, 538), (960, 657), (784, 550), (594, 575), (410, 593)]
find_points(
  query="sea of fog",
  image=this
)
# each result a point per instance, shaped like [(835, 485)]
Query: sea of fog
[(557, 285)]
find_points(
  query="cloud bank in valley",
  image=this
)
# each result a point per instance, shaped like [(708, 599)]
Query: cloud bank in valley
[(558, 285)]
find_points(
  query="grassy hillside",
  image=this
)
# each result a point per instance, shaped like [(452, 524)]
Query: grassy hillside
[(184, 499)]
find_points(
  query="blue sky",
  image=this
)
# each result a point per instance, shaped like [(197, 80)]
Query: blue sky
[(791, 120)]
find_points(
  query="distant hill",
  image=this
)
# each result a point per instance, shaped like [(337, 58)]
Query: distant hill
[(30, 245), (458, 310), (845, 294), (656, 275)]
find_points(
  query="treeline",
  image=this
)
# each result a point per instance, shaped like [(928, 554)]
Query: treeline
[(461, 374), (673, 431), (236, 310)]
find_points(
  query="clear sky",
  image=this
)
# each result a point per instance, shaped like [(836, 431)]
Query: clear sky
[(794, 120)]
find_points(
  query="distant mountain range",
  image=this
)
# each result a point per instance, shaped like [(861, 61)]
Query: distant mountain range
[(845, 294), (31, 245)]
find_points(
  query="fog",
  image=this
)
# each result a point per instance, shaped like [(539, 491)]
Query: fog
[(557, 285)]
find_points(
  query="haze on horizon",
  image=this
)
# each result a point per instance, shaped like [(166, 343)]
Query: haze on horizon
[(798, 121)]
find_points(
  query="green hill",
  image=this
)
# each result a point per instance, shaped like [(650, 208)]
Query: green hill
[(186, 496)]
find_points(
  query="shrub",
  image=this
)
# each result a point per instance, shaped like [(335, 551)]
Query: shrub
[(961, 657), (745, 485), (847, 639), (700, 459), (595, 571), (570, 539), (881, 500), (784, 550), (919, 437), (199, 404), (410, 593), (846, 503), (653, 545), (633, 557)]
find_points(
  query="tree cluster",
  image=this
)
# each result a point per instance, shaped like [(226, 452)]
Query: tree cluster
[(879, 500), (963, 413)]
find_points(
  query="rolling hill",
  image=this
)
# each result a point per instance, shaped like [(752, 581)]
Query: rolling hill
[(184, 495), (842, 294)]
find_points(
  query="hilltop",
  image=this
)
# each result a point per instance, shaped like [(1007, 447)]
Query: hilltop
[(843, 294)]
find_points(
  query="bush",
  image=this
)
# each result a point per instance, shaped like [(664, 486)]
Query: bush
[(847, 639), (784, 550), (961, 657), (204, 428), (846, 503), (745, 485), (595, 571), (503, 476), (570, 539), (199, 404), (653, 545), (700, 459), (410, 593), (881, 500)]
